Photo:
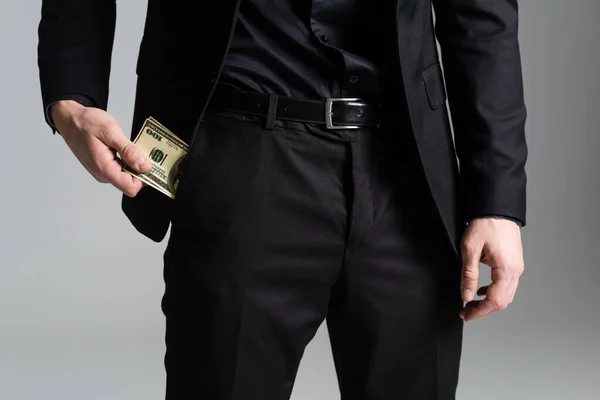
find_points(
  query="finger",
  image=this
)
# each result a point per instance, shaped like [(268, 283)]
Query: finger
[(471, 254), (467, 307), (91, 171), (129, 152), (482, 309), (498, 296), (514, 283), (129, 185), (123, 181)]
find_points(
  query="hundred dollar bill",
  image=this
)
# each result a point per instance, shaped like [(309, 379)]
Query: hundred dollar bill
[(166, 152)]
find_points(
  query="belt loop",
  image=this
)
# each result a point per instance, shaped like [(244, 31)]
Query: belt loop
[(272, 111)]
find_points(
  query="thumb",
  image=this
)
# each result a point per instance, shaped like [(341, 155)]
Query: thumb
[(129, 152), (471, 254)]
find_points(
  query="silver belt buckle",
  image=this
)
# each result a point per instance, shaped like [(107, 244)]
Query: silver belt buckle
[(329, 111)]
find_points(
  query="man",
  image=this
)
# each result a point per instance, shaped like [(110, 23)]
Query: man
[(321, 182)]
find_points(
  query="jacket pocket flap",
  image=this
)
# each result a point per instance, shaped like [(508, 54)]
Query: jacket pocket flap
[(434, 86)]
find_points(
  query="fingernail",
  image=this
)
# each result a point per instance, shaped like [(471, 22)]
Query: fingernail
[(141, 163), (467, 294)]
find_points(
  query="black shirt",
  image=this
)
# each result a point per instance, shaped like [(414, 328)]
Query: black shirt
[(315, 49), (312, 48)]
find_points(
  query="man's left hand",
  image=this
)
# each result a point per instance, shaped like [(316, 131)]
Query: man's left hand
[(497, 243)]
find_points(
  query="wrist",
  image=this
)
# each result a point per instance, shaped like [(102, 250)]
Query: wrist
[(63, 112), (497, 217), (495, 221), (64, 109)]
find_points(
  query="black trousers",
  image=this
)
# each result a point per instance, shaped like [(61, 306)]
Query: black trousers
[(276, 231)]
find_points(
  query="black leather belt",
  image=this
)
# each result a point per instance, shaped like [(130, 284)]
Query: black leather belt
[(334, 113)]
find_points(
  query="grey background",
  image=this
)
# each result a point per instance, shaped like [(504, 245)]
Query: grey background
[(80, 289)]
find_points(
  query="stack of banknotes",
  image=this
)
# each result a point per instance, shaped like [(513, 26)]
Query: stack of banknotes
[(166, 152)]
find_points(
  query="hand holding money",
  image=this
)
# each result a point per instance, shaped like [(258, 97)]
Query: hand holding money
[(94, 136), (166, 152)]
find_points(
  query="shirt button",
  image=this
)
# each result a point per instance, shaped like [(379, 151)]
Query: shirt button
[(324, 38), (353, 79)]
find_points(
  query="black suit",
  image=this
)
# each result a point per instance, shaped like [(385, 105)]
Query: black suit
[(482, 68), (179, 64)]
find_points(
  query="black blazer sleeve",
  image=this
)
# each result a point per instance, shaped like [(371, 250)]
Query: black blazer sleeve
[(482, 69), (74, 50)]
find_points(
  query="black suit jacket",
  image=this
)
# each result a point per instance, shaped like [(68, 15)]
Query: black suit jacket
[(185, 43)]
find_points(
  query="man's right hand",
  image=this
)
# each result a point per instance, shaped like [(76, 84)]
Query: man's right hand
[(94, 136)]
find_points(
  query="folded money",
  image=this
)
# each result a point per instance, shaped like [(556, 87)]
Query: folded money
[(166, 152)]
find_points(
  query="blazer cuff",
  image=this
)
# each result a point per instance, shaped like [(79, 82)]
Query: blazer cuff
[(80, 98)]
